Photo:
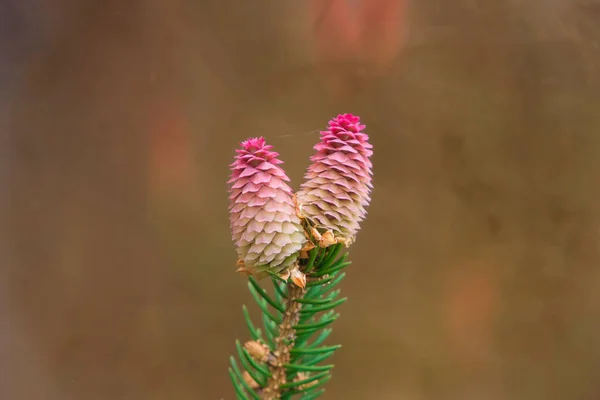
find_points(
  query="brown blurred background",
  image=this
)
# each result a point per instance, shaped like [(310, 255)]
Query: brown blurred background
[(475, 276)]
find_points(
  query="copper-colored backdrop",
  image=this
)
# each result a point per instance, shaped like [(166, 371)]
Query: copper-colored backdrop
[(475, 275)]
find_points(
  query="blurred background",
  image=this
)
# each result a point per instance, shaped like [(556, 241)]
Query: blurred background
[(475, 275)]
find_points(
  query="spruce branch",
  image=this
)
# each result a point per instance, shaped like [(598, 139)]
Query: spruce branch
[(297, 241), (285, 362)]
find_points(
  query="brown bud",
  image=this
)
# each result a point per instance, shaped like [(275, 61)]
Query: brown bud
[(298, 277), (249, 380), (258, 351), (327, 239), (297, 206), (242, 267), (308, 246), (315, 233), (243, 271), (285, 275), (300, 376), (345, 241)]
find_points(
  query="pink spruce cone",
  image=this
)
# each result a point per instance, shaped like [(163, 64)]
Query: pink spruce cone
[(338, 182), (265, 227)]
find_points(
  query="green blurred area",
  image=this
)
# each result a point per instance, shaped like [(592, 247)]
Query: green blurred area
[(475, 275)]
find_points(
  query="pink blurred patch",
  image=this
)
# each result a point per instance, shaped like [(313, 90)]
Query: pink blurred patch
[(335, 28), (365, 33), (383, 32), (469, 305), (171, 165)]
